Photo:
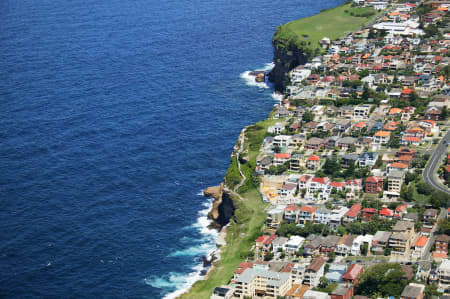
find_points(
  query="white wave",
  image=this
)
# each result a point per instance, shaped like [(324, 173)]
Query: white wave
[(174, 284), (250, 80), (277, 96)]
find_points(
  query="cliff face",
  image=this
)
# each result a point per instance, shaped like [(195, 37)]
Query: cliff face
[(287, 55), (223, 207)]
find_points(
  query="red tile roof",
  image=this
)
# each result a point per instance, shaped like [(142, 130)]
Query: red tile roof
[(374, 179), (421, 241), (354, 211), (292, 207), (353, 272), (401, 208), (321, 180), (282, 156), (369, 210), (398, 165), (337, 184), (308, 209), (386, 212), (314, 158)]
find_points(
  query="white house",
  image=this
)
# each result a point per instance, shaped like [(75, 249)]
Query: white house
[(294, 244), (359, 241)]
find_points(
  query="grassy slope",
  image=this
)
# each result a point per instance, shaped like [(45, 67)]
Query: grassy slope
[(245, 227), (333, 23)]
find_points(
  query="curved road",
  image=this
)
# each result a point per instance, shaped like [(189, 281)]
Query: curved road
[(430, 171)]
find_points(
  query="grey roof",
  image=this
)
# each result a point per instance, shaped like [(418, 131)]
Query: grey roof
[(347, 140), (275, 279), (382, 236), (412, 216), (412, 291), (368, 155), (280, 240), (350, 157), (330, 241), (396, 174), (400, 236), (401, 226), (341, 290)]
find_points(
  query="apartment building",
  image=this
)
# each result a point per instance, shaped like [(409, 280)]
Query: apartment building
[(262, 283)]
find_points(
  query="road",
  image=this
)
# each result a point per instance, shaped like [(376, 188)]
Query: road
[(430, 171)]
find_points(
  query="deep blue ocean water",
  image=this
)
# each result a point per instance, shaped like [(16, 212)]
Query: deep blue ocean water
[(114, 115)]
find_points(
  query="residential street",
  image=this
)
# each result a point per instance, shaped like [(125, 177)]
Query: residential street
[(429, 173)]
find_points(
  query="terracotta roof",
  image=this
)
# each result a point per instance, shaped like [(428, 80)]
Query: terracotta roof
[(386, 212), (314, 158), (421, 241), (353, 272), (292, 207), (369, 210), (308, 209), (374, 179), (401, 208), (321, 180), (282, 156), (440, 255), (383, 134), (316, 264), (337, 184), (395, 111), (360, 125), (354, 211), (398, 165)]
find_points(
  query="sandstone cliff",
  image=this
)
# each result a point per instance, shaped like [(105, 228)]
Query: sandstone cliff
[(223, 207)]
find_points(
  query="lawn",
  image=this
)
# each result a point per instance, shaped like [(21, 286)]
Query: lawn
[(332, 23)]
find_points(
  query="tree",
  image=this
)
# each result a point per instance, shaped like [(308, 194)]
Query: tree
[(444, 113), (431, 290), (308, 116), (331, 256), (268, 256), (424, 188), (364, 249), (382, 278)]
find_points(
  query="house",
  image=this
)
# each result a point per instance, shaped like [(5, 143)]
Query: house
[(380, 242), (297, 291), (396, 166), (281, 158), (441, 244), (342, 291), (291, 213), (336, 216), (281, 141), (312, 247), (349, 159), (381, 137), (361, 111), (315, 143), (329, 243), (401, 210), (395, 181), (343, 125), (314, 272), (279, 244), (288, 191), (241, 268), (430, 216), (294, 244), (353, 273), (313, 162), (298, 272), (367, 214), (419, 247), (443, 272), (353, 213), (368, 159), (306, 214), (413, 291), (258, 282), (222, 293), (344, 245), (296, 163), (276, 128), (275, 216), (346, 142), (309, 294), (353, 185), (433, 113), (374, 184), (400, 239), (322, 215), (360, 241), (265, 163), (265, 242)]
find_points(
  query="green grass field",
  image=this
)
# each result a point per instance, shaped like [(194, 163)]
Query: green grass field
[(333, 23)]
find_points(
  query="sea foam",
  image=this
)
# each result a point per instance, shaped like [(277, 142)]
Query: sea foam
[(250, 80), (174, 284)]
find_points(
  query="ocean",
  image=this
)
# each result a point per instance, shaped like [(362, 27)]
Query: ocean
[(114, 116)]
